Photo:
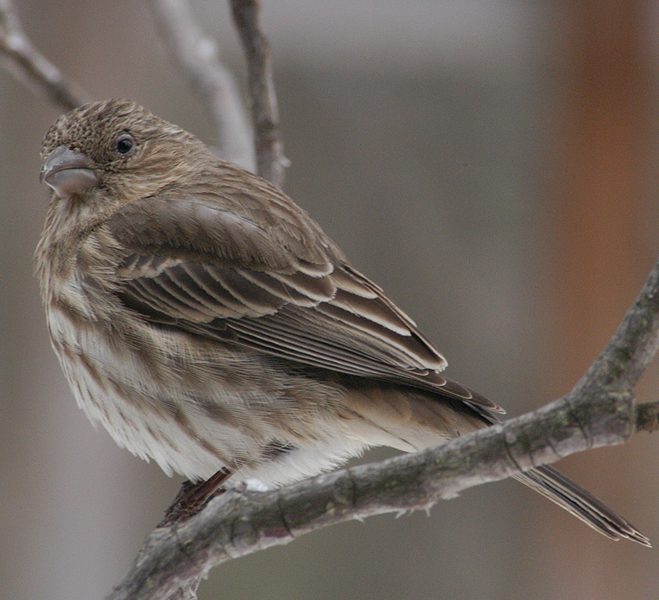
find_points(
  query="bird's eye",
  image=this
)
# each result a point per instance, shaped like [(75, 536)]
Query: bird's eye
[(125, 144)]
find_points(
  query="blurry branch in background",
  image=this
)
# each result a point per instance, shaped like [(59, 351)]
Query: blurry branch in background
[(270, 159), (599, 411), (27, 64), (197, 58)]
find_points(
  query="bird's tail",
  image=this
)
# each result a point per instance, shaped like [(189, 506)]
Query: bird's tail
[(581, 503), (411, 420)]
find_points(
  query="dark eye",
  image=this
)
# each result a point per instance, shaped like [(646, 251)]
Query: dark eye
[(125, 144)]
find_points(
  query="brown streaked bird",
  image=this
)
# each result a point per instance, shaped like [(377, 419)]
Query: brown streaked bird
[(207, 322)]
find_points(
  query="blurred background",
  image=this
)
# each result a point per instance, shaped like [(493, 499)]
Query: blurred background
[(492, 165)]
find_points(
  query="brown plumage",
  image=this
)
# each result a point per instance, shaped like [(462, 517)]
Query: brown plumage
[(210, 324)]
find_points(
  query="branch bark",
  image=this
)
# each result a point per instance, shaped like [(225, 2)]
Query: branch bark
[(599, 411), (30, 66)]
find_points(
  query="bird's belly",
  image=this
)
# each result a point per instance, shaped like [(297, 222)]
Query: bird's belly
[(180, 415), (196, 413)]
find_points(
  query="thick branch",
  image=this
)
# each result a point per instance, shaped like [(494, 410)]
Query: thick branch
[(237, 524), (196, 56), (30, 66), (270, 159)]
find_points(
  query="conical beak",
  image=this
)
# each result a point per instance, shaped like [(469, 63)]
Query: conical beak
[(68, 172)]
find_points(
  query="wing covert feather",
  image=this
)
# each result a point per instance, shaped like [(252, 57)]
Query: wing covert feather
[(285, 291)]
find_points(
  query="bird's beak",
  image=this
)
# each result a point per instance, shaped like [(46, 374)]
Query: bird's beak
[(68, 172)]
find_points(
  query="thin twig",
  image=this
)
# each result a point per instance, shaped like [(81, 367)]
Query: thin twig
[(197, 57), (237, 524), (270, 161), (30, 66)]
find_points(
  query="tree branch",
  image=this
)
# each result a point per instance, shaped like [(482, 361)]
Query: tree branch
[(196, 56), (632, 347), (30, 66), (270, 159), (600, 411)]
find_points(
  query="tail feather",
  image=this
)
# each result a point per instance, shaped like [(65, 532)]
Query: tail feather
[(581, 503), (405, 419)]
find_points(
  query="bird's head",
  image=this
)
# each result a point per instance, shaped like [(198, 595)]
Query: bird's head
[(118, 148)]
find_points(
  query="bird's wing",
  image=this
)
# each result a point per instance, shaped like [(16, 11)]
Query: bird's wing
[(215, 271)]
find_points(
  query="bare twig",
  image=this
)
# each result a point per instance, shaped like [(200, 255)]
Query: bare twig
[(600, 411), (30, 66), (270, 161), (197, 57)]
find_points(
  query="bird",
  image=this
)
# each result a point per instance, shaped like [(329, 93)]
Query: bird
[(208, 323)]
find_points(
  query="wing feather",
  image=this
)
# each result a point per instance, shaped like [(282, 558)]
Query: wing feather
[(285, 290)]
